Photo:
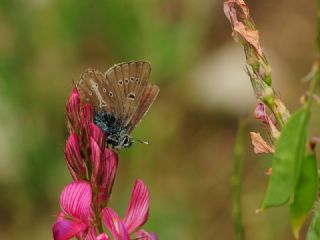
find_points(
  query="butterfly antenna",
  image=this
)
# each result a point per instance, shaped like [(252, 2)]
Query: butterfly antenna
[(140, 141)]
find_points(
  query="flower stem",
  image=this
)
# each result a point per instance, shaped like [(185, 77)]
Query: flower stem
[(316, 66), (236, 179), (318, 28), (314, 83)]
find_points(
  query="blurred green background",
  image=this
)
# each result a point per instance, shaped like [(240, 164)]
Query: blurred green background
[(46, 44)]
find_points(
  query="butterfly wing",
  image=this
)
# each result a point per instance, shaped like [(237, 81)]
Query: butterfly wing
[(148, 97), (130, 80), (124, 89), (93, 89)]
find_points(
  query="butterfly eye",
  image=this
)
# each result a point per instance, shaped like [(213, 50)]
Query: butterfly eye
[(110, 94), (126, 81), (104, 90), (131, 96), (137, 79), (120, 82), (131, 79)]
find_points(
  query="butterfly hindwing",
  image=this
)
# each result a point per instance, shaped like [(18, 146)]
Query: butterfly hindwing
[(148, 97), (129, 80)]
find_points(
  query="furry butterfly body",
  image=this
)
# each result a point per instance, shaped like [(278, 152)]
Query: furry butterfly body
[(120, 98)]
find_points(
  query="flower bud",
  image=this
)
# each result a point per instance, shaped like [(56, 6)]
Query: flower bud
[(73, 110), (97, 134), (74, 159)]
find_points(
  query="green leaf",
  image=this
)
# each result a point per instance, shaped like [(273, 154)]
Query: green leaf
[(305, 193), (314, 228), (290, 149)]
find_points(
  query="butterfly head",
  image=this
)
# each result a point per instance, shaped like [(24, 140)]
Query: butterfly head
[(125, 141)]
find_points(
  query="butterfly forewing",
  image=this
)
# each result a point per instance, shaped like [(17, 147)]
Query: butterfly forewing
[(88, 87)]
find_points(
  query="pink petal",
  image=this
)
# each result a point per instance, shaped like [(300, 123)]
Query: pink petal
[(91, 234), (114, 224), (143, 235), (153, 236), (86, 119), (235, 9), (110, 164), (73, 108), (138, 210), (67, 229), (273, 129), (61, 216), (97, 134), (259, 144), (76, 199), (73, 158), (112, 221), (102, 236), (260, 113), (95, 160), (124, 235)]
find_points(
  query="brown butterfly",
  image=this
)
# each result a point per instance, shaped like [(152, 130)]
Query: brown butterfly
[(120, 98)]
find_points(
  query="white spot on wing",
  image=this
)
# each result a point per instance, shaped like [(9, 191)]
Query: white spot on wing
[(95, 88)]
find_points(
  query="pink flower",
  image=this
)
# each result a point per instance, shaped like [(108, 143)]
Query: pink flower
[(136, 216), (242, 24), (108, 173), (97, 134), (259, 144), (260, 113), (95, 158), (86, 119), (104, 163), (93, 168), (268, 121), (73, 109), (73, 157), (102, 236), (75, 218)]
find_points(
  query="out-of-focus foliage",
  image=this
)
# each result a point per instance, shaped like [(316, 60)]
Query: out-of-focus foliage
[(46, 44)]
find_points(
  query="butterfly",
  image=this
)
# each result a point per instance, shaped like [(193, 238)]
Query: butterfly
[(120, 98)]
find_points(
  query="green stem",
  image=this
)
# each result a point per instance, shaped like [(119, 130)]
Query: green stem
[(316, 66), (277, 115), (314, 83), (236, 179), (318, 28)]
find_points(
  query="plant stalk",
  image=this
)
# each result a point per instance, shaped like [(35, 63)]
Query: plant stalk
[(236, 179)]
